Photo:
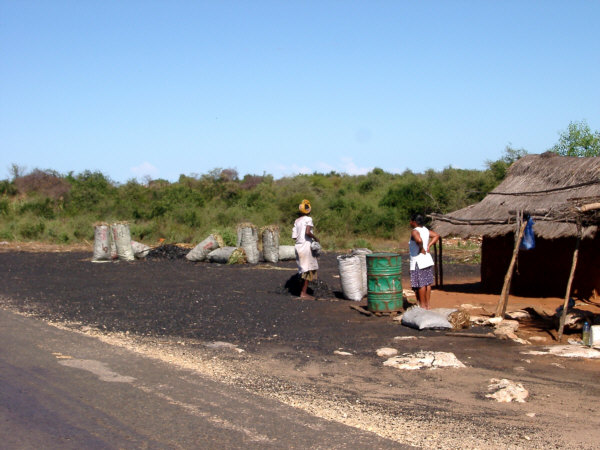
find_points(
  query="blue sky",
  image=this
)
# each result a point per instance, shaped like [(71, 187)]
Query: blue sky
[(162, 88)]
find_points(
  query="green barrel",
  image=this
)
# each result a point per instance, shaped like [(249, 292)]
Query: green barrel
[(384, 282)]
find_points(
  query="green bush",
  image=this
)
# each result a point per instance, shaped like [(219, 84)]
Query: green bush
[(348, 211), (32, 230)]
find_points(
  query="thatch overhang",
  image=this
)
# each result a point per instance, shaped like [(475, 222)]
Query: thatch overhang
[(551, 188)]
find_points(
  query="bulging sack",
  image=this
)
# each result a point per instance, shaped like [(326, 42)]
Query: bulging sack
[(270, 243), (351, 277), (221, 255), (247, 238), (101, 243), (140, 250), (122, 238), (201, 251), (287, 252), (362, 255), (419, 318)]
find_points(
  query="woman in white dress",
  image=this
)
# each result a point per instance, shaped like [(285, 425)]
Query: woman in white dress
[(303, 233), (421, 262)]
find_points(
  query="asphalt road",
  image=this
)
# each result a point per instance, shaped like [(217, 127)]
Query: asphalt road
[(60, 389)]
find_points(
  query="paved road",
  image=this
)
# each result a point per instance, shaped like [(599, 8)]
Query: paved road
[(60, 389)]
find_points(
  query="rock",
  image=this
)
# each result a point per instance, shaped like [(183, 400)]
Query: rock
[(341, 353), (505, 329), (387, 352), (424, 360), (518, 315), (506, 391)]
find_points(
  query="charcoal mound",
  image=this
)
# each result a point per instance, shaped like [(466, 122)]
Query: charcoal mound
[(316, 288), (168, 251)]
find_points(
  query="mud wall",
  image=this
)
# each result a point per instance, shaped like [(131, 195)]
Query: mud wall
[(544, 270)]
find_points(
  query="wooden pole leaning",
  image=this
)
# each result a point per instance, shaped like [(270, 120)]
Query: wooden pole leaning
[(563, 316), (435, 266), (503, 302), (441, 269)]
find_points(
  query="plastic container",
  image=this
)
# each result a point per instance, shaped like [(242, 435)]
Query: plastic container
[(585, 334)]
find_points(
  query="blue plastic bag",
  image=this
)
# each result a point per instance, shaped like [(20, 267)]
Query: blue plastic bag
[(528, 241)]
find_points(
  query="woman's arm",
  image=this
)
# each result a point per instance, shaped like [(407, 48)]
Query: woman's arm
[(309, 233), (433, 238)]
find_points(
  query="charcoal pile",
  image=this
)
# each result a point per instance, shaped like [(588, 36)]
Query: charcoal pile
[(317, 288), (168, 251)]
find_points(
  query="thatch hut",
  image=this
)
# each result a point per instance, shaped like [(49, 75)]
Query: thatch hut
[(562, 195)]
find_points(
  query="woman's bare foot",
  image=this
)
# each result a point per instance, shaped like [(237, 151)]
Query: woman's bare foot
[(306, 297)]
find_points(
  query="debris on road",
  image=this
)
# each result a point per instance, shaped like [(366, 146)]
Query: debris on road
[(221, 344), (386, 352), (342, 353), (568, 351), (424, 360), (506, 391)]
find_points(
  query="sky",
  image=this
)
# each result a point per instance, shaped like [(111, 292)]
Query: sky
[(156, 89)]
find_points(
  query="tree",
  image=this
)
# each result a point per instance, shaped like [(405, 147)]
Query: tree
[(578, 140), (499, 167)]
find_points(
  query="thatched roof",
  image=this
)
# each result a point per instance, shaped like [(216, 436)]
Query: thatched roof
[(547, 186)]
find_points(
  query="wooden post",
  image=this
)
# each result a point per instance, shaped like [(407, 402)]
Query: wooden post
[(435, 265), (441, 269), (503, 302), (563, 316)]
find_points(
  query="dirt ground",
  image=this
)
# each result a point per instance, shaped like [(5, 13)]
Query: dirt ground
[(241, 325)]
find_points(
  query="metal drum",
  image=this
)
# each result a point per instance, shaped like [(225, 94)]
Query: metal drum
[(384, 282)]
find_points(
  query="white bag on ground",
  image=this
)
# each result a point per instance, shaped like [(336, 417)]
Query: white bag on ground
[(270, 243), (101, 243), (221, 255), (351, 277), (201, 251), (139, 250), (419, 318), (362, 254), (122, 238), (247, 238), (287, 252)]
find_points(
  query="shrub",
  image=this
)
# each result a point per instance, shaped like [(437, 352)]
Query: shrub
[(43, 208), (44, 182), (32, 230), (7, 188)]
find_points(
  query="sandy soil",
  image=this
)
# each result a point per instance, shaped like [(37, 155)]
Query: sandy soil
[(240, 324)]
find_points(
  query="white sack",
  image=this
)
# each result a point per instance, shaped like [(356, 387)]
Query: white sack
[(221, 255), (270, 244), (287, 252), (362, 254), (351, 277), (101, 243), (247, 238), (201, 251), (139, 250), (419, 318), (122, 238)]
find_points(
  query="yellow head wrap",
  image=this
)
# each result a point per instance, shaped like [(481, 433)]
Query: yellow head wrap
[(304, 206)]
